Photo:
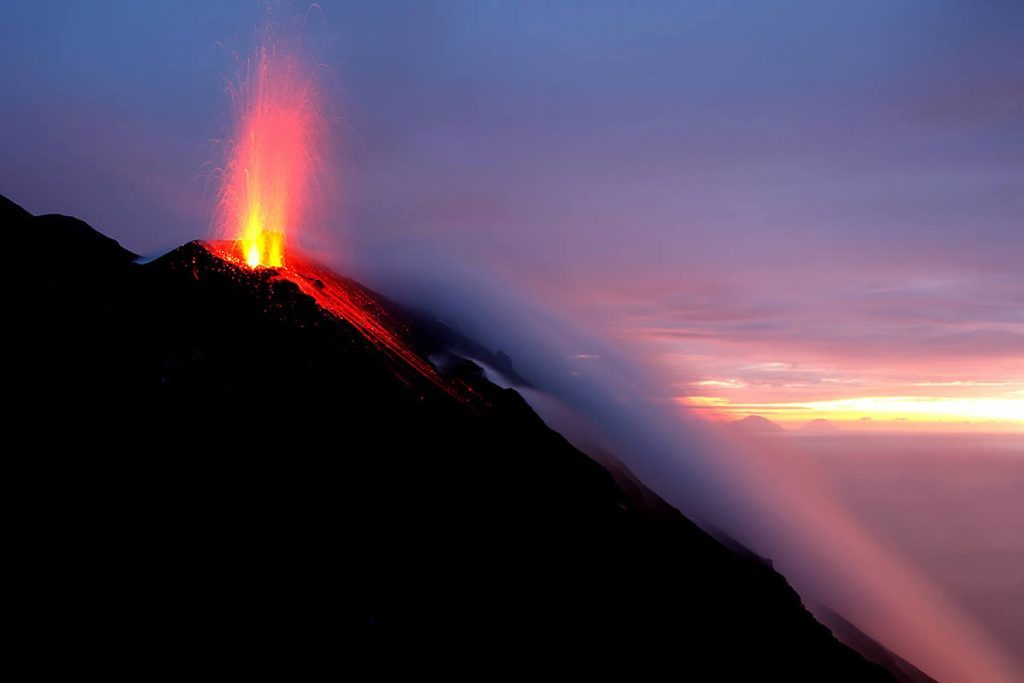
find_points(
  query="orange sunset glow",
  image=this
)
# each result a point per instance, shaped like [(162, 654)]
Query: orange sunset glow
[(963, 413), (910, 377)]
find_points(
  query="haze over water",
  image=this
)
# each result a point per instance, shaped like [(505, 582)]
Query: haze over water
[(950, 505)]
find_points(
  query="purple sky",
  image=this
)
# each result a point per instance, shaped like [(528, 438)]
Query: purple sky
[(797, 201)]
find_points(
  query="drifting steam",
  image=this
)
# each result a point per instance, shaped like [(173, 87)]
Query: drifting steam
[(762, 498)]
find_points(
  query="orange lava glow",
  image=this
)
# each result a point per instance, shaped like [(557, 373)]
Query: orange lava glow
[(273, 160), (353, 304), (276, 163)]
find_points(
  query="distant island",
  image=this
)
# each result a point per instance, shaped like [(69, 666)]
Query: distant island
[(755, 424), (758, 425)]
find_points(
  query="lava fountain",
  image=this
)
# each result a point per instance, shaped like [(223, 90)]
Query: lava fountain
[(277, 161), (273, 159)]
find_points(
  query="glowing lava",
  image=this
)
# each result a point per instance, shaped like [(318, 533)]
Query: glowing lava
[(273, 163), (348, 301), (276, 162)]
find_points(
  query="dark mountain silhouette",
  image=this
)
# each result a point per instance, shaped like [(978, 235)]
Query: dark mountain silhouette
[(904, 671), (219, 475), (755, 424)]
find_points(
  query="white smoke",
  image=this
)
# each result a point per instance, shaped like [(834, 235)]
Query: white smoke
[(756, 495)]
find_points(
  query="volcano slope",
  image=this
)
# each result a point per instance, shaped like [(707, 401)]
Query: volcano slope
[(217, 469)]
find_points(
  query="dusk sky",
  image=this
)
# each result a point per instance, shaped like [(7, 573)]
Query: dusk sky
[(792, 209)]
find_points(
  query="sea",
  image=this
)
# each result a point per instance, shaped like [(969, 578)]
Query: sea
[(951, 505)]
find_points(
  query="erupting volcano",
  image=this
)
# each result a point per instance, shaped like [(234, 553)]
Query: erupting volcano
[(274, 167), (403, 337), (273, 161), (380, 502)]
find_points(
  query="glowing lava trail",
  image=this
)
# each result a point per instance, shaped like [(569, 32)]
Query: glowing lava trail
[(274, 161), (355, 305)]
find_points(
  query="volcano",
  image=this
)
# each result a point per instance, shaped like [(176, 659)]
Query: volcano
[(223, 471)]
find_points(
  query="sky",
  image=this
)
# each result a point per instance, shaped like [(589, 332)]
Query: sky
[(795, 209)]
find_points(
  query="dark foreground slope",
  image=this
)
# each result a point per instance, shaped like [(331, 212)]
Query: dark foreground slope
[(219, 476)]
